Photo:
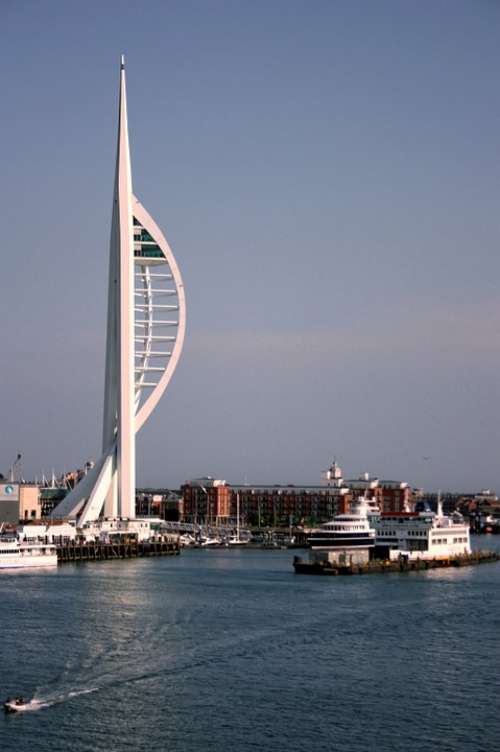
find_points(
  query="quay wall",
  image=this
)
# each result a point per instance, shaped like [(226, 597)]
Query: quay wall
[(382, 567), (117, 550)]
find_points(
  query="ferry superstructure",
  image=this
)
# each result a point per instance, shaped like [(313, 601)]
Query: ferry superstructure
[(422, 534), (17, 555), (346, 531)]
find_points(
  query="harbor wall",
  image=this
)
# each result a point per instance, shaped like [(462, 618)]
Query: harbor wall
[(302, 566), (344, 556), (123, 549)]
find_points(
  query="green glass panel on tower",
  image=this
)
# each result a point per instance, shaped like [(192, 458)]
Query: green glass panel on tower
[(145, 246)]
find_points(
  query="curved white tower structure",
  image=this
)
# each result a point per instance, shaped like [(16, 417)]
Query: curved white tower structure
[(145, 334)]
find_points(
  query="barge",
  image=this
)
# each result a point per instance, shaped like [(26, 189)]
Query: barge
[(382, 566)]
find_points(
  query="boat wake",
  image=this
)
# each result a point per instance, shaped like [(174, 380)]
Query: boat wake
[(41, 702), (100, 673)]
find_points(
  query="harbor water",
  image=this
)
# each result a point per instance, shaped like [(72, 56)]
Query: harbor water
[(229, 650)]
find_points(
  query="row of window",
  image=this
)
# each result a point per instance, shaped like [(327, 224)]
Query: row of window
[(411, 533), (346, 528), (149, 251)]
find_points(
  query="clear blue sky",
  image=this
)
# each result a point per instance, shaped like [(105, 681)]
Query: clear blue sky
[(328, 176)]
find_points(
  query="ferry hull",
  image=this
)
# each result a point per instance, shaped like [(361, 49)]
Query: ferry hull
[(322, 541), (22, 562)]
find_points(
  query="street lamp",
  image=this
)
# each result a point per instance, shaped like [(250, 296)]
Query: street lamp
[(13, 467)]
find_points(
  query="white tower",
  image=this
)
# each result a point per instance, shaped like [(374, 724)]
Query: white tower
[(333, 476), (145, 334)]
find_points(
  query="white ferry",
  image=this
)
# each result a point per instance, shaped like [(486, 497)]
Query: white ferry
[(422, 534), (16, 555), (346, 531)]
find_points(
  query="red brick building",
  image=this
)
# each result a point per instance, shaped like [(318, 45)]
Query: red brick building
[(207, 500), (212, 501), (391, 495)]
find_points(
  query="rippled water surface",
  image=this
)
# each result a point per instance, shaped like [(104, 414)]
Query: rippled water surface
[(229, 650)]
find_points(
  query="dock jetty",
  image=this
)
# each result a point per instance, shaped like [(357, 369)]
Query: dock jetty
[(375, 566), (120, 549)]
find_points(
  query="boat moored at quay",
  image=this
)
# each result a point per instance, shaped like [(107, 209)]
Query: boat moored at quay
[(44, 545), (367, 540), (422, 534), (347, 537), (17, 555)]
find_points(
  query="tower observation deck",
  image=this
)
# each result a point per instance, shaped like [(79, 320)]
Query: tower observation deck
[(145, 333)]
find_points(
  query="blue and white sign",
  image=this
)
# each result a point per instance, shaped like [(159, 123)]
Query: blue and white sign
[(9, 491)]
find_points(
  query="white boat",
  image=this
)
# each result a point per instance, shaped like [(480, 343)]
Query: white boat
[(346, 531), (235, 540), (205, 542), (15, 705), (17, 555), (423, 534), (187, 540)]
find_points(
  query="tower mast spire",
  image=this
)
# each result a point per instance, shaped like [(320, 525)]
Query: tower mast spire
[(144, 339), (122, 247)]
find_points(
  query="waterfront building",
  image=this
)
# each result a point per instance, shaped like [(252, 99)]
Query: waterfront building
[(206, 500), (19, 501), (390, 495), (9, 503), (55, 531), (145, 334), (30, 507), (162, 503), (333, 476), (213, 501), (49, 499)]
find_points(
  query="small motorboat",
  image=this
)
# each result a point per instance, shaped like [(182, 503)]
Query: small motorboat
[(15, 705)]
